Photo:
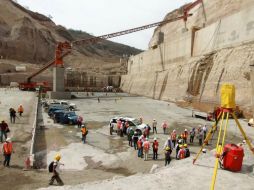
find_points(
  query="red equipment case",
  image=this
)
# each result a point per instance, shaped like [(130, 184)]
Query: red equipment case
[(233, 157)]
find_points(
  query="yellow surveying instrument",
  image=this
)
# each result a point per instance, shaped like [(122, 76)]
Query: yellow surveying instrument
[(227, 108)]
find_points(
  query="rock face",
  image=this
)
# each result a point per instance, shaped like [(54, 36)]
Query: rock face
[(30, 37), (191, 65)]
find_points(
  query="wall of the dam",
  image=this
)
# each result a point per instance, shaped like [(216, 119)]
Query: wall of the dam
[(193, 64)]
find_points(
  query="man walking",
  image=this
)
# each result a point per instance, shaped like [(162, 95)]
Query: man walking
[(173, 137), (7, 150), (3, 129), (56, 170), (154, 124), (167, 156), (20, 110), (164, 127), (84, 133), (12, 115)]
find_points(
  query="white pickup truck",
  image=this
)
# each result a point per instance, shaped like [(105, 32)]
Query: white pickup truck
[(135, 124)]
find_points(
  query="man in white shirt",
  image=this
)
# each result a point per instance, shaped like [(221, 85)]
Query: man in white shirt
[(56, 171)]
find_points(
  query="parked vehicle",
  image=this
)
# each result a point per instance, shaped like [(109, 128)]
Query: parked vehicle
[(52, 109), (58, 115), (69, 118), (66, 104), (135, 124), (202, 115)]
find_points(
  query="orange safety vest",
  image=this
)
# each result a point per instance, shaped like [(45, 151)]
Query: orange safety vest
[(185, 135), (119, 123), (139, 144), (83, 130), (155, 145), (173, 136), (146, 146), (20, 109), (7, 148), (181, 154)]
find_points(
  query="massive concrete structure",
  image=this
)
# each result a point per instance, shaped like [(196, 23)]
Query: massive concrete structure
[(191, 64), (59, 84)]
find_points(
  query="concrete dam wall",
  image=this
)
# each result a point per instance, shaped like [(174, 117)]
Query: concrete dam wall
[(192, 64)]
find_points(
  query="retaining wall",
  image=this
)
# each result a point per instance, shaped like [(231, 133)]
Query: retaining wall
[(35, 125), (193, 65)]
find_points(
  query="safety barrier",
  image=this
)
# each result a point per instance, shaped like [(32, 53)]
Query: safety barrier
[(31, 155)]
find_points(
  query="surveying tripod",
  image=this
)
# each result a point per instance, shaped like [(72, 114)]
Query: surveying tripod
[(226, 110)]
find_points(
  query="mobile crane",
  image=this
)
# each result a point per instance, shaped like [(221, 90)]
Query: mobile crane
[(64, 48)]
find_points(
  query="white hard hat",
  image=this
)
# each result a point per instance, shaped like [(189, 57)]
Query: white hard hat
[(174, 130), (204, 150), (185, 129), (169, 138), (251, 121), (154, 138)]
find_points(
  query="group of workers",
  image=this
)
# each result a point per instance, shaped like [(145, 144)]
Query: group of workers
[(13, 112), (7, 147), (141, 142)]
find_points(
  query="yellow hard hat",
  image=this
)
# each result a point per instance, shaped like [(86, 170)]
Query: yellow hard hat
[(167, 148), (185, 145), (58, 157)]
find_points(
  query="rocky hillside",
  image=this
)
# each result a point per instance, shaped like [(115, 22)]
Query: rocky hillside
[(31, 37)]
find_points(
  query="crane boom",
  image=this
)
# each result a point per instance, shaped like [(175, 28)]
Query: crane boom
[(124, 32), (64, 48)]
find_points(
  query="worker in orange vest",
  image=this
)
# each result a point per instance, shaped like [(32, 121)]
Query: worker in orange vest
[(181, 153), (185, 136), (173, 137), (20, 110), (164, 127), (155, 148), (84, 133), (7, 150), (118, 125), (140, 148), (146, 147)]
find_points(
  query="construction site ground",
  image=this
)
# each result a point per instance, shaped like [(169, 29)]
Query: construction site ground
[(104, 157)]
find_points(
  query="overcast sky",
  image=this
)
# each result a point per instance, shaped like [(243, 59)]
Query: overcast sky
[(100, 17)]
